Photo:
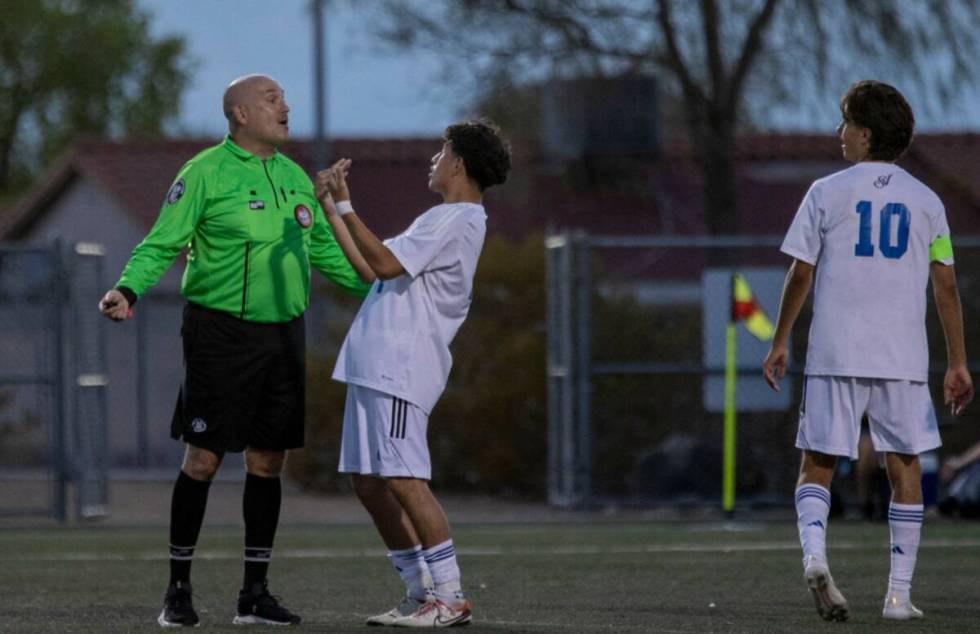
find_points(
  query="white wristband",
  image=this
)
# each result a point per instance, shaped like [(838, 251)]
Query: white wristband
[(344, 207)]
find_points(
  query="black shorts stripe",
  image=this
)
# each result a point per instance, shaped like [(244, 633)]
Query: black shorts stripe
[(394, 407)]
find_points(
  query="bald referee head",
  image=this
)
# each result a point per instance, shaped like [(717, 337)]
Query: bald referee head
[(257, 113)]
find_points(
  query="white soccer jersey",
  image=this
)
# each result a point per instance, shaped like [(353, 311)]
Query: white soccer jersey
[(871, 230), (399, 341)]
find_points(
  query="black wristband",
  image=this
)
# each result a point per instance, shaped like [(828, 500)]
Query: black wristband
[(128, 294)]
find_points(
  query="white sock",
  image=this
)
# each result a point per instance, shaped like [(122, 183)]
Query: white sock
[(905, 522), (411, 567), (441, 560), (812, 509)]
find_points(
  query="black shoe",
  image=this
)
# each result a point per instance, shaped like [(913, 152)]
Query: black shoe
[(257, 607), (178, 608)]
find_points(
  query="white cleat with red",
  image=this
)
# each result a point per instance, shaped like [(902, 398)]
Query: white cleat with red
[(900, 609), (406, 607), (435, 613)]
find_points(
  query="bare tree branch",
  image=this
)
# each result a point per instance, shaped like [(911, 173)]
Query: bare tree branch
[(750, 50), (716, 66), (715, 56), (675, 62)]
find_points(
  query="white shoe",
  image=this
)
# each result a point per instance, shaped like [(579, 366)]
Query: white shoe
[(899, 609), (435, 613), (831, 604), (405, 607)]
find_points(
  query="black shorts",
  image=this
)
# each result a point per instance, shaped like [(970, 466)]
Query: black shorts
[(244, 383)]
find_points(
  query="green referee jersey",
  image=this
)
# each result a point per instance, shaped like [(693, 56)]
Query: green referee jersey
[(252, 226)]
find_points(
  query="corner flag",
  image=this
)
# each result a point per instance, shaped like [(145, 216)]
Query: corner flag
[(745, 308)]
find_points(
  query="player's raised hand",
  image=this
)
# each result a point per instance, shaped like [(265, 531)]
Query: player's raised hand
[(957, 389), (115, 306), (323, 193), (774, 367), (336, 180)]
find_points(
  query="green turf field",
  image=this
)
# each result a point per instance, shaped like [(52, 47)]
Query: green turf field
[(604, 577)]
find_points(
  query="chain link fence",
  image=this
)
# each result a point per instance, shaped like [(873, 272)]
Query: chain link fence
[(628, 422), (81, 398)]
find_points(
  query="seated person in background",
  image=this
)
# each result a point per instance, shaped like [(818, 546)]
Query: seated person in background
[(962, 472)]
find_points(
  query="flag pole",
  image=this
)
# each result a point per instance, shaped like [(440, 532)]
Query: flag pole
[(728, 461)]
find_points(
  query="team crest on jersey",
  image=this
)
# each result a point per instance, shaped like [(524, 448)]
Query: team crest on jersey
[(176, 191), (303, 216), (198, 425), (882, 181)]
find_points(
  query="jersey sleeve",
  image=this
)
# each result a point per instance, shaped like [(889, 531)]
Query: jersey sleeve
[(179, 216), (804, 240), (940, 245), (418, 247), (327, 257)]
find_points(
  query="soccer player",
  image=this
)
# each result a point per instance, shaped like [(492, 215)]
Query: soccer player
[(251, 218), (875, 236), (396, 360)]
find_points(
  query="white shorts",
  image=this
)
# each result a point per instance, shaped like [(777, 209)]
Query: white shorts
[(901, 416), (383, 436)]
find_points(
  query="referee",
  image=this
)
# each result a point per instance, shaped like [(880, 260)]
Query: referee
[(251, 220)]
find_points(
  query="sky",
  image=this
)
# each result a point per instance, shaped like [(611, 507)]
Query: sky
[(373, 92), (370, 92)]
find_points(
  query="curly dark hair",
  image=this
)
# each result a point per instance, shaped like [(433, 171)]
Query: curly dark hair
[(883, 110), (485, 153)]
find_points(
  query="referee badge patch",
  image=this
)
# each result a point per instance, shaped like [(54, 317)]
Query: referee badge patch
[(198, 425), (303, 216), (176, 191)]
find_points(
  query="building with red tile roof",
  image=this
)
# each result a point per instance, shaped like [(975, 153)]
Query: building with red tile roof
[(626, 197)]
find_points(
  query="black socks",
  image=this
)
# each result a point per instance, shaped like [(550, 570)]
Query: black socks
[(260, 508), (187, 505)]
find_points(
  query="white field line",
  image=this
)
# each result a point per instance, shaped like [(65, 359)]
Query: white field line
[(587, 628), (554, 551)]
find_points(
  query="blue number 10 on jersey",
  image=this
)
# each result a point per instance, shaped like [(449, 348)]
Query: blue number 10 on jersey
[(864, 246)]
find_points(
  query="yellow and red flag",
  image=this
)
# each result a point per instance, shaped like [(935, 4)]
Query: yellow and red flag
[(746, 308)]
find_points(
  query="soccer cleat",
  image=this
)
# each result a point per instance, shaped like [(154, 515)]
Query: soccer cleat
[(405, 607), (900, 609), (257, 607), (435, 613), (831, 604), (178, 608)]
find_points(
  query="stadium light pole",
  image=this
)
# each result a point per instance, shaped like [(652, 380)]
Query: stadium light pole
[(320, 149)]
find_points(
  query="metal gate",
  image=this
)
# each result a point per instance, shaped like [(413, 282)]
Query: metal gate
[(569, 370), (53, 444)]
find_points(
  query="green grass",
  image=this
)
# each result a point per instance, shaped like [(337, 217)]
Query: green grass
[(520, 578)]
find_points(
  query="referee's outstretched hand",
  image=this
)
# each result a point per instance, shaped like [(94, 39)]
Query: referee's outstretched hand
[(115, 306)]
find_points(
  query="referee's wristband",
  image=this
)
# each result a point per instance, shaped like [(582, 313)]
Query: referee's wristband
[(344, 207)]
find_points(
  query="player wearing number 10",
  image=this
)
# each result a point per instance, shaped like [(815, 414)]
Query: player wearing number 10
[(873, 236)]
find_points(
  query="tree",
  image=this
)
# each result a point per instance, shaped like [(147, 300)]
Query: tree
[(69, 67), (719, 57)]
